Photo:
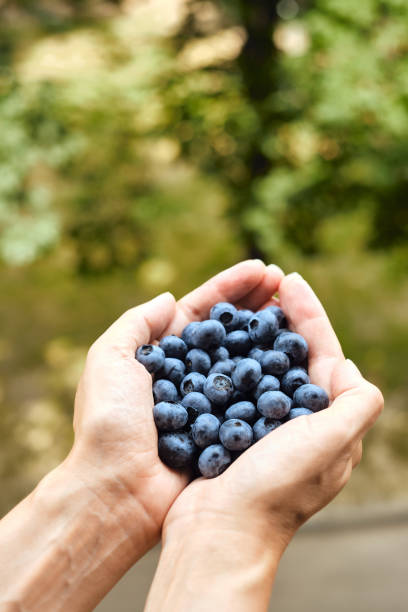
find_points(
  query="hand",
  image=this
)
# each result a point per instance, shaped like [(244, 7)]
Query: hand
[(227, 534), (115, 449)]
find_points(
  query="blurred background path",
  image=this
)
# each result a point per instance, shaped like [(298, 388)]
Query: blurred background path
[(354, 563)]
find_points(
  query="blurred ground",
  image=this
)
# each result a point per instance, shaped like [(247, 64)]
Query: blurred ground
[(342, 560)]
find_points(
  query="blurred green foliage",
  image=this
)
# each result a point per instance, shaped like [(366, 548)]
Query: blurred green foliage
[(145, 145)]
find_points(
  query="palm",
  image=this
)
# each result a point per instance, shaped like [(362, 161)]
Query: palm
[(305, 451)]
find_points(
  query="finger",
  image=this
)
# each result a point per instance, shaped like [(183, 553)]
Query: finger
[(307, 316), (264, 290), (231, 285), (357, 406), (139, 325), (357, 454)]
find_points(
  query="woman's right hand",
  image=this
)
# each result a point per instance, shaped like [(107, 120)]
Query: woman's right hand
[(249, 513)]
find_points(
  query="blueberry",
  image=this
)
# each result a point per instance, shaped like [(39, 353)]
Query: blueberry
[(169, 416), (164, 391), (239, 396), (262, 327), (218, 388), (187, 333), (244, 317), (247, 374), (263, 426), (279, 314), (198, 360), (177, 449), (225, 313), (209, 334), (205, 430), (267, 383), (213, 460), (294, 378), (237, 358), (173, 346), (282, 330), (223, 367), (238, 342), (256, 353), (243, 410), (195, 403), (311, 396), (294, 345), (173, 369), (219, 354), (192, 382), (275, 363), (236, 435), (274, 404), (297, 412), (219, 413), (151, 356)]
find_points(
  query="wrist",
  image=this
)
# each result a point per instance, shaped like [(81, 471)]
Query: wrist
[(214, 564)]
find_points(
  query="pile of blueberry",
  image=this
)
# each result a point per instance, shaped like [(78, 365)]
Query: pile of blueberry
[(226, 383)]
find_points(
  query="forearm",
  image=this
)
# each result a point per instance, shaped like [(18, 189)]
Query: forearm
[(214, 569), (66, 544)]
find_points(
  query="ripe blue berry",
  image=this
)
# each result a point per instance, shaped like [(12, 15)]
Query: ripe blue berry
[(225, 313), (205, 430), (274, 404), (177, 449), (173, 346), (262, 327), (192, 382), (294, 345), (294, 378), (267, 383), (247, 374), (275, 363), (238, 342), (151, 356), (198, 360), (169, 416), (243, 410), (195, 403), (187, 333), (311, 396), (279, 314), (209, 334), (164, 391), (173, 369), (256, 353), (236, 435), (218, 388), (213, 460), (297, 412), (244, 318), (219, 354), (263, 426), (223, 367)]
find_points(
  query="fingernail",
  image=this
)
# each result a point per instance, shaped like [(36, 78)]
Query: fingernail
[(295, 276), (275, 268), (166, 294), (353, 366), (258, 261)]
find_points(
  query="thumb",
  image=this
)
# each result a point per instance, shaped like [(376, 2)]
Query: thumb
[(141, 324)]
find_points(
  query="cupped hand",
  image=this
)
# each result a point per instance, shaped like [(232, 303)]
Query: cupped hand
[(115, 448), (291, 473)]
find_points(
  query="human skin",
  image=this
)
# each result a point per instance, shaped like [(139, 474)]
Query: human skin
[(223, 538), (66, 545)]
